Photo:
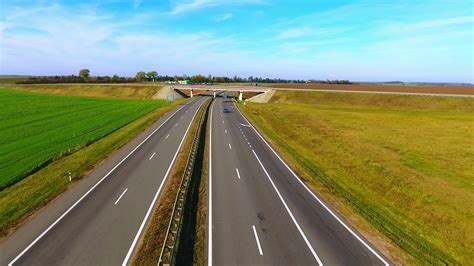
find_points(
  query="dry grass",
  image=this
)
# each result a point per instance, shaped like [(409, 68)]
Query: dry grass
[(402, 163), (444, 89), (130, 91), (11, 79), (195, 92), (202, 212)]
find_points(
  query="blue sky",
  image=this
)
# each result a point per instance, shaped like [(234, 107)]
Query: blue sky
[(366, 40)]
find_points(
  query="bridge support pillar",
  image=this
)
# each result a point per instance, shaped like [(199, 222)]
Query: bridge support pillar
[(214, 94), (191, 95), (240, 95)]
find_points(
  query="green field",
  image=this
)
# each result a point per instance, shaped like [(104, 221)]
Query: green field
[(38, 128), (404, 163)]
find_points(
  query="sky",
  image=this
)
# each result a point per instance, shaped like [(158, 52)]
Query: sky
[(366, 40)]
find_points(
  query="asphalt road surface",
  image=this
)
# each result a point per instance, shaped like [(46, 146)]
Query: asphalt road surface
[(100, 221), (261, 213)]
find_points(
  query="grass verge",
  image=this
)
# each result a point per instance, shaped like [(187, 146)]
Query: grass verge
[(149, 248), (399, 165), (20, 200)]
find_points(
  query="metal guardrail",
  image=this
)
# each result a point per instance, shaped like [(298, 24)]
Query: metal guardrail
[(174, 226)]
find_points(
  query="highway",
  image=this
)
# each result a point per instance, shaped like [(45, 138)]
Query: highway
[(261, 213), (100, 220)]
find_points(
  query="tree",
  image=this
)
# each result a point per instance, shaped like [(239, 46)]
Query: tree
[(152, 75), (219, 79), (140, 76), (198, 78), (84, 73)]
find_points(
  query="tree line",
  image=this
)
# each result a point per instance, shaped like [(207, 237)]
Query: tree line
[(152, 76), (83, 77), (223, 79)]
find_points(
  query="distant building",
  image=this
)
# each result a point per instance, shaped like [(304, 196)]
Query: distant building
[(185, 82)]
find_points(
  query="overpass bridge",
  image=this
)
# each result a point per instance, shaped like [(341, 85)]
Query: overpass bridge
[(217, 88)]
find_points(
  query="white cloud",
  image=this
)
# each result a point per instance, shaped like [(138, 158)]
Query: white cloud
[(184, 7), (294, 33), (311, 32), (403, 28), (223, 17), (70, 40), (137, 3), (444, 22), (194, 5)]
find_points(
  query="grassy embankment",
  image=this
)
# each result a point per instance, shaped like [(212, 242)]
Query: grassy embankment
[(149, 249), (11, 79), (129, 91), (403, 163), (68, 138)]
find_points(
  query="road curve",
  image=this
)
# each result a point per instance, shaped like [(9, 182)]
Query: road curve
[(261, 213), (100, 220)]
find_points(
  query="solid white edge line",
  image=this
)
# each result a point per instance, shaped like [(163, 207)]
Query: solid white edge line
[(209, 229), (151, 157), (258, 241), (145, 219), (238, 174), (289, 212), (121, 195), (314, 195), (89, 191)]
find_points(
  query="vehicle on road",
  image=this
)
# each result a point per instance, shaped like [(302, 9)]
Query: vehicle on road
[(225, 110)]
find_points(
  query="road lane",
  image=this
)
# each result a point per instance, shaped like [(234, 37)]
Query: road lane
[(96, 230), (238, 204), (296, 227)]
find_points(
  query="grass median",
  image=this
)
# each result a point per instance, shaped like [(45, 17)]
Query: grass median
[(20, 200), (200, 242), (401, 165)]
